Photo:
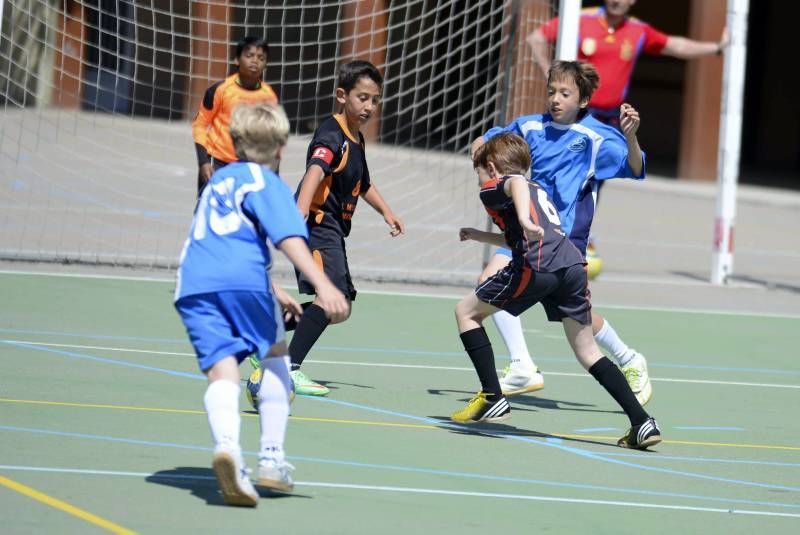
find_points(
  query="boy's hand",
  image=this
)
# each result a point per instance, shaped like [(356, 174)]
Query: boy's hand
[(395, 224), (467, 233), (628, 120), (532, 232), (290, 307), (205, 172), (476, 144), (333, 302)]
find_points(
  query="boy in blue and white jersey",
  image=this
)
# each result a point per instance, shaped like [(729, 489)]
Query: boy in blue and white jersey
[(230, 309), (571, 152)]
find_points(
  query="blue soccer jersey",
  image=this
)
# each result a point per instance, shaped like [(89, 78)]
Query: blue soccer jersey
[(243, 206), (567, 160)]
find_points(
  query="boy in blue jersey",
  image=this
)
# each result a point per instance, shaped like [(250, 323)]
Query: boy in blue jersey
[(229, 307), (546, 268), (572, 151)]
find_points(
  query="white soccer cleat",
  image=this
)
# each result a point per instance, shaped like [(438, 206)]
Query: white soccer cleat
[(521, 381), (635, 373), (233, 478), (275, 475)]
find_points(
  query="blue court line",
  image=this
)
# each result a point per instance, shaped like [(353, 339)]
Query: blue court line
[(707, 428), (104, 360), (416, 352), (569, 449), (431, 421), (410, 469), (662, 457)]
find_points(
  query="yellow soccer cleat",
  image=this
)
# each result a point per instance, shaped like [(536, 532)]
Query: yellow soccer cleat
[(480, 409)]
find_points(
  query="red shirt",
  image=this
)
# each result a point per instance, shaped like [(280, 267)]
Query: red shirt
[(613, 51)]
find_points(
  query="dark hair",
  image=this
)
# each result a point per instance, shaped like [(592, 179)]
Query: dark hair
[(583, 74), (508, 152), (251, 40), (350, 73)]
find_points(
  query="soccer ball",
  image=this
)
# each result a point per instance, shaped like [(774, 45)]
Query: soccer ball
[(594, 263), (254, 386)]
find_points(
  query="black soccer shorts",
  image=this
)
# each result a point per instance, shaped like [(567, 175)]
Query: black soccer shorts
[(563, 293), (331, 256)]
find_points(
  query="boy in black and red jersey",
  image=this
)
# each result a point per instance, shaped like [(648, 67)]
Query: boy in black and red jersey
[(336, 176), (545, 268)]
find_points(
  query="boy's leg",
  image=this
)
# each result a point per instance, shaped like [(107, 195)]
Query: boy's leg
[(644, 430), (273, 410), (522, 375), (314, 321), (221, 401), (489, 404), (633, 363)]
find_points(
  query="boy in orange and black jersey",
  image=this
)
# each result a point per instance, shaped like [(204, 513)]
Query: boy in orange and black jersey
[(211, 125), (336, 176)]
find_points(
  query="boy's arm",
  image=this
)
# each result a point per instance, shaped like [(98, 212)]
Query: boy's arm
[(289, 305), (202, 121), (373, 197), (329, 297), (517, 188), (629, 124), (685, 48), (540, 47), (492, 238), (311, 181)]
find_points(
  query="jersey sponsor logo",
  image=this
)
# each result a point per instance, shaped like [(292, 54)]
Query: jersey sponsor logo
[(579, 145), (324, 154)]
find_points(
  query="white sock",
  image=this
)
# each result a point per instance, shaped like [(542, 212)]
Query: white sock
[(273, 406), (222, 405), (608, 339), (510, 328)]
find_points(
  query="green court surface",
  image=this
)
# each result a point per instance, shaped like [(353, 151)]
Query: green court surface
[(102, 426)]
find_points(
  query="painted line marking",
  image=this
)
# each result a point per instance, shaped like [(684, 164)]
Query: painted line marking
[(34, 345), (383, 424), (64, 506), (451, 297), (707, 428), (442, 492)]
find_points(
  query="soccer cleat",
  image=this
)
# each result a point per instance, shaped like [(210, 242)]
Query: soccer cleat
[(642, 436), (233, 478), (517, 381), (635, 373), (275, 475), (303, 386), (254, 362), (480, 409)]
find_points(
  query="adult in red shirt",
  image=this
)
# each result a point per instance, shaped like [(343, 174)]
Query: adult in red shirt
[(612, 41)]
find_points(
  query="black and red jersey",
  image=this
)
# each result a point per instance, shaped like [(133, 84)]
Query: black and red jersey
[(341, 155), (554, 251)]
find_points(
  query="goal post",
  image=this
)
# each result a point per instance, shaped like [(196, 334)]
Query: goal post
[(729, 145)]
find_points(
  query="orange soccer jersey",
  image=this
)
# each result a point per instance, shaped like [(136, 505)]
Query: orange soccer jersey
[(211, 126)]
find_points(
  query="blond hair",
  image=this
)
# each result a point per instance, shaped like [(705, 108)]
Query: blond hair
[(258, 132), (509, 153)]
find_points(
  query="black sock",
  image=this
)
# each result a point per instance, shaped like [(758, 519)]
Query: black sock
[(608, 375), (310, 327), (291, 323), (479, 349)]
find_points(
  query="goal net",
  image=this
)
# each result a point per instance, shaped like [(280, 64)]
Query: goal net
[(97, 163)]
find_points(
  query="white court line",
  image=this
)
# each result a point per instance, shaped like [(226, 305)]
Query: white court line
[(410, 366), (429, 491), (676, 310)]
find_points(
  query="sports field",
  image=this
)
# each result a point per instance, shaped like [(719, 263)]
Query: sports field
[(102, 426)]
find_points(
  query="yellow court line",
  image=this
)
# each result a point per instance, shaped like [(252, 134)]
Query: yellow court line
[(64, 506), (398, 425)]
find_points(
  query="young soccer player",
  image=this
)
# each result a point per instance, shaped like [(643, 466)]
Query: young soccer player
[(211, 126), (545, 268), (336, 176), (226, 302), (572, 151)]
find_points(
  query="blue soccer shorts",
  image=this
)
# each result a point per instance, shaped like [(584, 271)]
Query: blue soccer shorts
[(505, 252), (234, 323)]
